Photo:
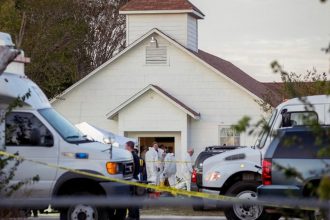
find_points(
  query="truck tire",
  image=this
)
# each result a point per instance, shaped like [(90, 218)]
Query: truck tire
[(82, 211), (246, 190)]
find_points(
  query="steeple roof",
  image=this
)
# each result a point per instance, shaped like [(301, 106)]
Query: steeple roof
[(160, 5)]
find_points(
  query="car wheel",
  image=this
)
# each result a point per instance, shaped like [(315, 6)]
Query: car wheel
[(246, 191), (83, 211)]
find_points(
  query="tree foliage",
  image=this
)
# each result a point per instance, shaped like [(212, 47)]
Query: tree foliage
[(66, 39), (294, 85)]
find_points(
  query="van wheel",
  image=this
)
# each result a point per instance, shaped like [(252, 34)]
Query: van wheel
[(246, 191), (83, 211)]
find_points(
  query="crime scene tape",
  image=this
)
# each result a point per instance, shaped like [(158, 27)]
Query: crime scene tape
[(167, 161), (173, 191), (143, 185)]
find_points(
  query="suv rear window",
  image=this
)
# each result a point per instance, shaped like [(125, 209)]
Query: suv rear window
[(304, 145), (202, 157)]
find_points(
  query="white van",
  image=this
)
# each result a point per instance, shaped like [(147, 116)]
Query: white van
[(238, 172), (37, 132)]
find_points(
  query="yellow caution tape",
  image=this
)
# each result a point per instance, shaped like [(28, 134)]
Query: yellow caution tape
[(165, 161), (143, 185), (173, 191)]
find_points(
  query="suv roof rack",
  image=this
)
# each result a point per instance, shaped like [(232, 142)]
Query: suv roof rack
[(218, 147)]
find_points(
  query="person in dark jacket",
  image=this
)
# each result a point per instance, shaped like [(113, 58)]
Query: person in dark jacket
[(134, 212)]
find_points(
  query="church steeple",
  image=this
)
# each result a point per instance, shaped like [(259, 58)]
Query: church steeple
[(176, 18)]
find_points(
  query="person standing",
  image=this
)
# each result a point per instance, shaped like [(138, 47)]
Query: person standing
[(161, 157), (170, 169), (152, 164), (134, 212), (187, 168), (142, 172)]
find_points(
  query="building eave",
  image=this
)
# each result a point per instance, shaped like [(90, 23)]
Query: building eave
[(175, 43), (193, 12), (117, 56), (180, 105)]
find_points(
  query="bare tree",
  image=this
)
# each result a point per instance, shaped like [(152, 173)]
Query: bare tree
[(106, 35)]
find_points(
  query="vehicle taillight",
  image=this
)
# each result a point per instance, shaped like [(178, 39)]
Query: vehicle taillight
[(194, 176), (267, 172)]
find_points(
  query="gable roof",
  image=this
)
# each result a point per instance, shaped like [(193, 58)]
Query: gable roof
[(160, 5), (160, 92), (234, 73), (220, 66)]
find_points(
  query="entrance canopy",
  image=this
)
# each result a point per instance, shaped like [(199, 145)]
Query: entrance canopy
[(189, 111)]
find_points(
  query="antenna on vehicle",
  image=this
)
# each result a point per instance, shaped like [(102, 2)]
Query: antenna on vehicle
[(110, 142)]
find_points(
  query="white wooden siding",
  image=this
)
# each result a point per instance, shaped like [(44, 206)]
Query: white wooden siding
[(152, 111), (156, 55), (192, 31), (174, 25), (219, 101), (181, 27)]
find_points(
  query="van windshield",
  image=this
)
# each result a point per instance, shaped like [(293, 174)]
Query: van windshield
[(68, 131), (264, 134)]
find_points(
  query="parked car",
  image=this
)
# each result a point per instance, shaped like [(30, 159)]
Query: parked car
[(197, 175), (294, 163)]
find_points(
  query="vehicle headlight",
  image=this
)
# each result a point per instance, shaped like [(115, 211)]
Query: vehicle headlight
[(214, 176), (112, 168)]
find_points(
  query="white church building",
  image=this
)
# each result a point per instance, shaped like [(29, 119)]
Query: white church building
[(162, 87)]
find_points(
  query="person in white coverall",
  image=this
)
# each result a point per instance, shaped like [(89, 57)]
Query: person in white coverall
[(170, 169), (152, 164), (161, 157), (187, 168)]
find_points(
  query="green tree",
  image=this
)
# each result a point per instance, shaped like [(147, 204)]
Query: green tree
[(50, 34), (66, 39)]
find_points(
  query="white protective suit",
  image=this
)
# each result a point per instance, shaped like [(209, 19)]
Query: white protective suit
[(187, 171), (161, 159), (152, 166), (170, 169)]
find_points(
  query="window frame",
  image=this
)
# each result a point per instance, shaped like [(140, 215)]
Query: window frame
[(305, 151), (220, 127), (290, 112), (41, 122)]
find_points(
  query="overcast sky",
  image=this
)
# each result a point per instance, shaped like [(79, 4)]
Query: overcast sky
[(253, 33)]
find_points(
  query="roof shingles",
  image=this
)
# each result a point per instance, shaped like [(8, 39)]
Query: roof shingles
[(234, 73), (146, 5)]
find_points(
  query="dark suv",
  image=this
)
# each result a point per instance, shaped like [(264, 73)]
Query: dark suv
[(197, 175), (295, 162)]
